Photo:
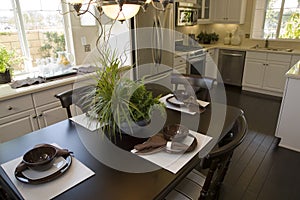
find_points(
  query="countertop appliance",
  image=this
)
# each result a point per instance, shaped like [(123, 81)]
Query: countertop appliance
[(154, 43), (186, 14), (231, 66)]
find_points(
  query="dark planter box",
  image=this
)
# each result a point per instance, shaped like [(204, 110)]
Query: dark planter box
[(5, 77)]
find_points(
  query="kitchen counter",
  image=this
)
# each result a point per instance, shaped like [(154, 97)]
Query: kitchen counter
[(7, 92), (288, 120), (248, 48), (294, 72)]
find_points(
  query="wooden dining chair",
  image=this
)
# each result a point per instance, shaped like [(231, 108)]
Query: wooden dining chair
[(205, 181), (78, 96), (200, 84)]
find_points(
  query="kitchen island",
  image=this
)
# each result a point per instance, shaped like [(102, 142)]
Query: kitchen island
[(288, 121)]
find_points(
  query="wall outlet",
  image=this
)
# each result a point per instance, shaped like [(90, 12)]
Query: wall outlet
[(87, 48)]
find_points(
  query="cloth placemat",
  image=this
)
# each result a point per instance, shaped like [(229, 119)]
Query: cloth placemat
[(182, 108), (174, 162), (77, 173)]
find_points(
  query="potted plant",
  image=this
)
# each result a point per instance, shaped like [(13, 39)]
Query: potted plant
[(7, 60), (119, 102), (207, 38)]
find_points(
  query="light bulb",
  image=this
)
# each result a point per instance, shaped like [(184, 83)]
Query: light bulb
[(128, 11)]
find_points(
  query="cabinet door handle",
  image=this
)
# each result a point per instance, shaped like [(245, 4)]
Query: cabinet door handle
[(40, 115), (9, 108), (34, 117)]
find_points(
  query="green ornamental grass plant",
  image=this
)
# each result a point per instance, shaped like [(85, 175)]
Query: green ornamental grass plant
[(119, 101)]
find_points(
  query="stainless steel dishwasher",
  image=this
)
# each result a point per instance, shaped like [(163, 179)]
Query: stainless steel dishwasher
[(231, 66)]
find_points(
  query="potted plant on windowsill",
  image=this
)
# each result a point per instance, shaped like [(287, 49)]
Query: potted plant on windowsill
[(7, 60), (119, 103)]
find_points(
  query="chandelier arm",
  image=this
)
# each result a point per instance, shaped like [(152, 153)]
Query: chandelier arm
[(101, 30), (85, 11), (157, 8)]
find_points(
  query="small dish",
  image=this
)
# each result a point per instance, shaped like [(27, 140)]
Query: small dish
[(172, 100), (175, 132), (182, 147), (40, 158), (181, 95), (59, 167)]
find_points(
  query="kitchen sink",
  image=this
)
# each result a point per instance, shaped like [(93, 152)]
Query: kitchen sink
[(272, 49)]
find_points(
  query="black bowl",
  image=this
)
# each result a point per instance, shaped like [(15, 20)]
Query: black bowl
[(40, 158), (181, 95), (175, 132)]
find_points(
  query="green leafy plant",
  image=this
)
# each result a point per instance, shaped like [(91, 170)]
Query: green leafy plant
[(55, 43), (207, 38), (8, 58), (292, 27), (118, 100)]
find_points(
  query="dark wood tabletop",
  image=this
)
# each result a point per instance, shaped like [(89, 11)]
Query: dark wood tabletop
[(110, 182)]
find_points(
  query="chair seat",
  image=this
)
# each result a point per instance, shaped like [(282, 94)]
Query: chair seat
[(189, 188), (198, 186)]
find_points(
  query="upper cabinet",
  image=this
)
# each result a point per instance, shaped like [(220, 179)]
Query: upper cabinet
[(229, 11), (188, 1), (204, 14)]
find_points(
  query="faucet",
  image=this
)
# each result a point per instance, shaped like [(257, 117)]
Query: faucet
[(267, 42)]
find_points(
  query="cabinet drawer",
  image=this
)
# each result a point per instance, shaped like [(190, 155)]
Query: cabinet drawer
[(16, 105), (256, 55), (47, 96), (179, 61), (180, 69), (279, 57)]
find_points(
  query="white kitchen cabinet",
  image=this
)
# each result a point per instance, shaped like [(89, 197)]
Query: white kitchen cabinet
[(16, 125), (27, 113), (229, 11), (50, 114), (204, 14), (253, 73), (48, 107), (211, 65), (264, 72), (17, 117)]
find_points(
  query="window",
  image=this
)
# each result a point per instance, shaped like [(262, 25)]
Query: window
[(33, 28), (276, 19)]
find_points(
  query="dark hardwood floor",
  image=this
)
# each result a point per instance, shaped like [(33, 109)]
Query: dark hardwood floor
[(259, 168)]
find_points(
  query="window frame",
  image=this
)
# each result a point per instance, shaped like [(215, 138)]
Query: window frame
[(278, 27), (17, 11)]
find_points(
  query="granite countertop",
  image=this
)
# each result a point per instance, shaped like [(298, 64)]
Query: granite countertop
[(7, 92), (245, 48), (294, 72)]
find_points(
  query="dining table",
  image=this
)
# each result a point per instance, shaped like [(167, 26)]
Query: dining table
[(110, 182)]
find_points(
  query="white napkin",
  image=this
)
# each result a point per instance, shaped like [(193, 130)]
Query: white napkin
[(77, 173), (182, 108), (174, 162)]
